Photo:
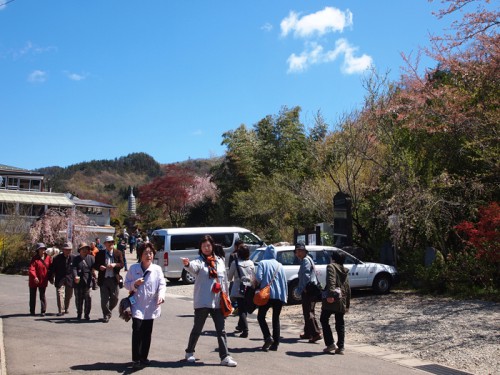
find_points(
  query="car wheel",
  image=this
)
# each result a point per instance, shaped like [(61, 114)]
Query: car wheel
[(382, 284), (293, 298), (187, 277)]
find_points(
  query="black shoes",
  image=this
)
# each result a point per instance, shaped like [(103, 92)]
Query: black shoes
[(267, 344), (315, 338), (244, 334), (274, 347)]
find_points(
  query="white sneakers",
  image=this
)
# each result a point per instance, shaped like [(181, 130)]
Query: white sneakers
[(190, 357), (228, 361)]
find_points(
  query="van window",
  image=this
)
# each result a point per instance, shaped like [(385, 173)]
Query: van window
[(249, 238), (158, 242), (192, 241)]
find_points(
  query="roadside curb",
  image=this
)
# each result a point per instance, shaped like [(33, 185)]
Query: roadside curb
[(3, 367)]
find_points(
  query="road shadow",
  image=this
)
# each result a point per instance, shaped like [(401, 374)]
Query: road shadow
[(126, 368), (304, 354)]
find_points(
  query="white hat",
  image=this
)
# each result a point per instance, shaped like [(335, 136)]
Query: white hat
[(109, 239)]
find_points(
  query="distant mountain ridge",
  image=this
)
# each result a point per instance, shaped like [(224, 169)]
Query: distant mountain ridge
[(108, 181)]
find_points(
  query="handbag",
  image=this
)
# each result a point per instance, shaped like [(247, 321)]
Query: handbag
[(249, 295), (313, 289), (225, 304), (242, 289), (125, 308), (262, 296)]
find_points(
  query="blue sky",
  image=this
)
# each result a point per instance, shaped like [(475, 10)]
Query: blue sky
[(91, 80)]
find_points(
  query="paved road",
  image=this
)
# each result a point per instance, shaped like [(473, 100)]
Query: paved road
[(60, 345)]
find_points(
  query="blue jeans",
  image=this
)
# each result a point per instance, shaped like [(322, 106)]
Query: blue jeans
[(200, 316)]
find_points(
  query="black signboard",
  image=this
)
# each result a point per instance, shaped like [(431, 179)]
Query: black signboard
[(342, 220)]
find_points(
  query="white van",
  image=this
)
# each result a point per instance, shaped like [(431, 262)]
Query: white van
[(172, 244)]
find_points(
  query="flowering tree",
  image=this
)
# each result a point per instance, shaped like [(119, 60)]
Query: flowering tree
[(52, 227), (169, 194)]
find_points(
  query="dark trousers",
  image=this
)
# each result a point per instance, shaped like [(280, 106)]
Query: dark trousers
[(311, 327), (339, 327), (200, 316), (109, 296), (242, 313), (82, 295), (141, 338), (276, 305), (43, 300)]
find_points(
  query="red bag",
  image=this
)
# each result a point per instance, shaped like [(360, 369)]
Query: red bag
[(225, 304)]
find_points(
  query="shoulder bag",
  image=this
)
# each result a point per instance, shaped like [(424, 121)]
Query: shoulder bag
[(314, 289), (247, 291)]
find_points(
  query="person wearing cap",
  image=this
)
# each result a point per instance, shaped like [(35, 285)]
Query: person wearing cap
[(61, 275), (307, 274), (38, 274), (108, 263), (82, 279)]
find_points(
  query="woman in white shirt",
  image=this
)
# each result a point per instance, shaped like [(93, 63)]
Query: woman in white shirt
[(147, 283)]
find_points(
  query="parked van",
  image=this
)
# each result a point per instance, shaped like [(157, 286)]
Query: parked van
[(172, 244)]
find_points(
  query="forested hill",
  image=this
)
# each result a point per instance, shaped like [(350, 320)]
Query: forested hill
[(109, 180)]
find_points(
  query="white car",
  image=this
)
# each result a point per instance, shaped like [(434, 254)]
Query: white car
[(377, 276)]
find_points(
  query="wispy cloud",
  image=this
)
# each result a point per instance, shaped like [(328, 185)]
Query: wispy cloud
[(315, 54), (319, 23), (30, 48), (267, 27), (197, 133), (37, 76), (76, 76)]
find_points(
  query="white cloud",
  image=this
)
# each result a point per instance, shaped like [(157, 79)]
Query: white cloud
[(3, 6), (76, 76), (319, 23), (197, 133), (315, 54), (37, 76), (266, 27)]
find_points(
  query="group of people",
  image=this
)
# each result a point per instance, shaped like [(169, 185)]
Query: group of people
[(212, 280), (146, 285), (75, 274)]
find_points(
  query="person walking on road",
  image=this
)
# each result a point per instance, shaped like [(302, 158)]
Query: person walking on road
[(270, 272), (82, 277), (146, 284), (337, 302), (39, 277), (108, 263), (211, 279), (307, 274), (61, 274), (242, 270)]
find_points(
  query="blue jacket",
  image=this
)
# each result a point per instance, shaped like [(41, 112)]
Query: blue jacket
[(265, 271)]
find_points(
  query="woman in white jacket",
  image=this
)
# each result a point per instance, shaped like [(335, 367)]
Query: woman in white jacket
[(211, 278), (242, 270), (147, 283)]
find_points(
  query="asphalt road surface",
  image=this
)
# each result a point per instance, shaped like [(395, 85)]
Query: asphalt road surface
[(60, 345)]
